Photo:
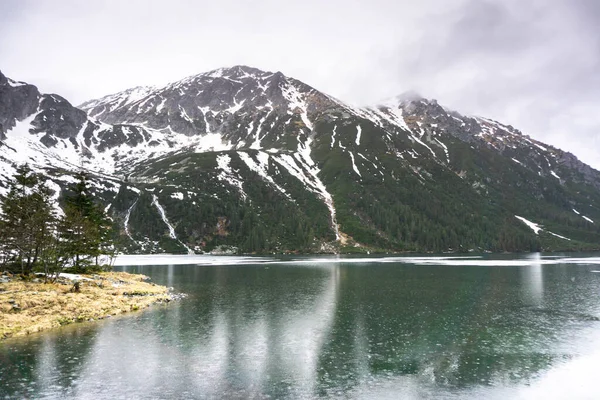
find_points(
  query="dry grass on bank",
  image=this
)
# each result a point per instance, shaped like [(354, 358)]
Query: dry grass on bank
[(27, 307)]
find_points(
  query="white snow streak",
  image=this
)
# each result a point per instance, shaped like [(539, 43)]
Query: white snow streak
[(534, 227), (354, 167), (445, 149), (423, 144), (126, 222), (358, 133), (163, 215), (296, 101), (15, 83), (261, 168), (333, 136), (312, 179), (537, 228), (558, 236), (227, 174)]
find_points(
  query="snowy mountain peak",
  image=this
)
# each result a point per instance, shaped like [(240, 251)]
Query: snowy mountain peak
[(207, 149), (244, 106)]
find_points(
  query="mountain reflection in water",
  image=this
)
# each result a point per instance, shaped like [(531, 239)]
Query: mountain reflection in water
[(327, 327)]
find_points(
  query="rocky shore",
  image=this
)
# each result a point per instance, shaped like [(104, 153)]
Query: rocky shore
[(29, 305)]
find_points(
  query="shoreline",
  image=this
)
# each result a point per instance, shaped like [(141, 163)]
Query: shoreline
[(30, 306)]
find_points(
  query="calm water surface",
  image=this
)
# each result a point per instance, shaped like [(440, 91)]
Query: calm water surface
[(334, 328)]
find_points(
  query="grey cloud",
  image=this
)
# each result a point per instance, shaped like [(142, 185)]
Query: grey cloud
[(532, 64), (486, 26)]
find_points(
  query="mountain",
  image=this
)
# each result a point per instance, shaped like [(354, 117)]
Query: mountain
[(255, 160)]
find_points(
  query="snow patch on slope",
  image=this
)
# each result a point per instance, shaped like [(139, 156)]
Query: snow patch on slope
[(358, 133), (354, 167), (310, 178), (445, 149), (261, 167), (537, 228), (534, 227), (558, 236), (126, 222), (227, 174), (163, 215), (333, 136)]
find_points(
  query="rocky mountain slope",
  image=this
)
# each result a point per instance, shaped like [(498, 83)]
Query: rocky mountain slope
[(258, 161)]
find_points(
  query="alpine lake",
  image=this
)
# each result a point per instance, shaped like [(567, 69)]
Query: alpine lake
[(447, 327)]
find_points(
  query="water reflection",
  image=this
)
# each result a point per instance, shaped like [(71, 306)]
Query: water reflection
[(334, 330), (533, 280)]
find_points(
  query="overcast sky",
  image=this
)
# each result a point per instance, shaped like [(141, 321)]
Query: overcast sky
[(534, 64)]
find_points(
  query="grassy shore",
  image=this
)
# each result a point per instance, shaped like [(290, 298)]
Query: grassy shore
[(32, 306)]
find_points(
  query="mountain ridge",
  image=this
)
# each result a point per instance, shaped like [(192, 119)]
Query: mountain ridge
[(262, 162)]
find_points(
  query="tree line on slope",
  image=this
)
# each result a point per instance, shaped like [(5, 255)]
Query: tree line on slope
[(211, 214), (35, 236)]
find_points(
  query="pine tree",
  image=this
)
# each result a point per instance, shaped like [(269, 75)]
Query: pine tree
[(26, 219), (85, 228)]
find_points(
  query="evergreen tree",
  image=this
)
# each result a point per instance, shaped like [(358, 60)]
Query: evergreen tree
[(85, 228), (26, 219)]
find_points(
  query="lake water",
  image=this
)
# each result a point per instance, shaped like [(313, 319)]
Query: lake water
[(383, 328)]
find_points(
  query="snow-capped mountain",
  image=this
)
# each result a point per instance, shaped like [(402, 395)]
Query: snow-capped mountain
[(235, 108), (264, 162)]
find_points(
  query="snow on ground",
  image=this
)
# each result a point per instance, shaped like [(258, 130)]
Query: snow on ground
[(388, 112), (126, 221), (423, 144), (227, 174), (177, 195), (55, 187), (358, 134), (534, 227), (539, 147), (257, 139), (304, 151), (296, 100), (333, 136), (366, 159), (354, 167), (24, 147), (558, 236), (537, 228), (583, 216), (261, 167), (445, 149), (121, 99), (160, 107), (289, 163), (554, 175), (14, 83), (310, 180), (163, 215), (73, 277), (212, 142)]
